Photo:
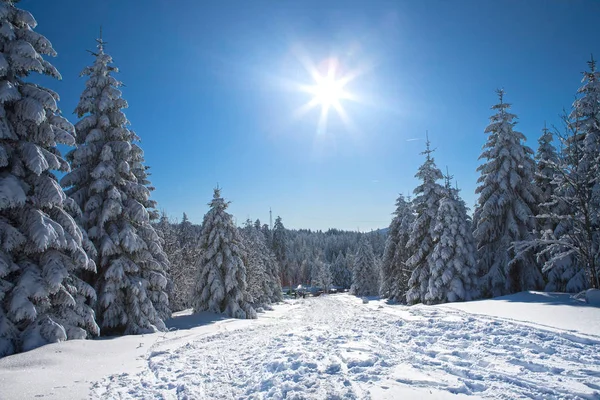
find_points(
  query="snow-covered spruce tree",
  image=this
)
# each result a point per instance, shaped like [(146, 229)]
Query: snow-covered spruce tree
[(454, 272), (420, 244), (182, 275), (183, 269), (341, 274), (572, 250), (547, 164), (221, 283), (261, 268), (279, 244), (581, 189), (109, 183), (324, 278), (365, 277), (394, 273), (42, 298), (546, 161), (506, 208)]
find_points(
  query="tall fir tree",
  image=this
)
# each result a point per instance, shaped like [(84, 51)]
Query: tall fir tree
[(42, 298), (394, 272), (573, 250), (261, 267), (109, 183), (506, 208), (279, 244), (221, 284), (188, 237), (341, 272), (547, 167), (546, 161), (420, 242), (365, 277), (454, 272)]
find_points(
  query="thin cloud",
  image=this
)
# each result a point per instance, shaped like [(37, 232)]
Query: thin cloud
[(413, 139)]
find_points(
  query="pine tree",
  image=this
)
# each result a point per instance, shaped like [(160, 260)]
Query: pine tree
[(279, 244), (341, 272), (261, 269), (572, 250), (506, 208), (546, 160), (547, 164), (420, 242), (188, 238), (365, 277), (324, 277), (109, 183), (42, 298), (454, 272), (221, 285), (394, 273)]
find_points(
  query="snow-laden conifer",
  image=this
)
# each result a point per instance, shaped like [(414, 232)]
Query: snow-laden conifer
[(341, 274), (365, 276), (109, 183), (261, 269), (546, 161), (547, 167), (571, 250), (454, 272), (323, 277), (221, 284), (42, 298), (506, 208), (394, 272), (420, 242), (188, 236), (279, 243)]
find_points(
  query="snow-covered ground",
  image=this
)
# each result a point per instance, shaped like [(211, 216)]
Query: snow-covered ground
[(529, 345)]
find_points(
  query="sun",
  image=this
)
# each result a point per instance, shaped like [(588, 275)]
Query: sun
[(328, 90)]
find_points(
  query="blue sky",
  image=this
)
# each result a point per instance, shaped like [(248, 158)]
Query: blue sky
[(208, 86)]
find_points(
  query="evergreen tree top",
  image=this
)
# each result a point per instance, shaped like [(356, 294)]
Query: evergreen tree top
[(218, 202), (428, 172)]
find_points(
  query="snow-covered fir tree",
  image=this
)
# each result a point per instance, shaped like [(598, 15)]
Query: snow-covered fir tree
[(42, 298), (261, 269), (221, 284), (454, 272), (168, 240), (572, 250), (109, 183), (420, 242), (394, 272), (506, 208), (188, 236), (182, 278), (341, 274), (547, 167), (365, 276), (279, 244), (324, 278), (546, 161)]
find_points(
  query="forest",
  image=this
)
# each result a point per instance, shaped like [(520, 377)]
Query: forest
[(85, 251)]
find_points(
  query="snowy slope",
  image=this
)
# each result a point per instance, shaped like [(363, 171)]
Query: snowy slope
[(334, 347), (552, 310)]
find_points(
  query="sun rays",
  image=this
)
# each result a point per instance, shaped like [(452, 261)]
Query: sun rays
[(328, 90)]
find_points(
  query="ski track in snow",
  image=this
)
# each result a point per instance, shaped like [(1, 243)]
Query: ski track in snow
[(335, 347)]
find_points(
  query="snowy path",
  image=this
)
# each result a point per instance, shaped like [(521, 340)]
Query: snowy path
[(336, 347)]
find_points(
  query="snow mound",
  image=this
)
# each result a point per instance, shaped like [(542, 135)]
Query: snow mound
[(592, 296)]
